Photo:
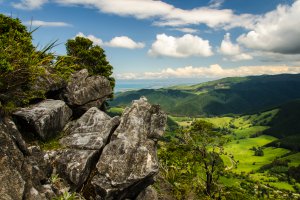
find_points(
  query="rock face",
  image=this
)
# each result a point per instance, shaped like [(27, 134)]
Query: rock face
[(84, 91), (91, 131), (129, 162), (74, 165), (44, 119), (22, 170), (85, 140), (148, 194)]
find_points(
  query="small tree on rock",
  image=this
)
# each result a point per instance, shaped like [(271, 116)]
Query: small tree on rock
[(82, 53)]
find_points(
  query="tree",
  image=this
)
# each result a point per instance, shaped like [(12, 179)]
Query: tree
[(20, 64), (81, 53), (195, 157), (259, 151)]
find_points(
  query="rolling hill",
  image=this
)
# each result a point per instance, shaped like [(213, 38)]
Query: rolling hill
[(234, 95)]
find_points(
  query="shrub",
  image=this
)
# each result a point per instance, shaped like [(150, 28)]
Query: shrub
[(20, 64)]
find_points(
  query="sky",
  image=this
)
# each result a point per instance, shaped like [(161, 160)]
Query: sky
[(173, 39)]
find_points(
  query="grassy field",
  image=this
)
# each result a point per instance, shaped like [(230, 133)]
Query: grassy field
[(294, 158), (245, 133), (247, 162)]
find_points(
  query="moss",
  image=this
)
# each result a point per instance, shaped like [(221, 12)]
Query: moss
[(52, 144)]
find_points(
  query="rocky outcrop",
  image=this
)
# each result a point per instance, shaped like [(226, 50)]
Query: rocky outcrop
[(23, 172), (84, 91), (91, 131), (84, 141), (44, 119), (104, 158), (129, 162)]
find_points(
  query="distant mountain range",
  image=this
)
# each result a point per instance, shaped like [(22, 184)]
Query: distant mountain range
[(234, 95)]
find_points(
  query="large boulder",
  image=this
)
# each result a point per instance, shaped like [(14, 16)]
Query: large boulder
[(82, 145), (84, 91), (129, 162), (90, 131), (44, 119), (74, 165), (23, 171)]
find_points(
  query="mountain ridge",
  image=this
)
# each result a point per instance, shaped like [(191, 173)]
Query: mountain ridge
[(231, 95)]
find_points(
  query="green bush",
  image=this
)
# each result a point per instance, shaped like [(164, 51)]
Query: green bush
[(20, 64)]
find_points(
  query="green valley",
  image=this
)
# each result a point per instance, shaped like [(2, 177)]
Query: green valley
[(262, 156)]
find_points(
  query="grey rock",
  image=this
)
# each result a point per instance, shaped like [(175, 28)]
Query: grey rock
[(148, 194), (74, 165), (90, 131), (84, 91), (21, 168), (12, 184), (129, 162), (44, 119)]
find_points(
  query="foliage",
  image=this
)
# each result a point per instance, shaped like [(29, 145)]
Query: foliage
[(171, 125), (20, 64), (115, 111), (54, 178), (238, 96), (286, 122), (258, 151), (51, 145), (68, 196), (294, 172), (192, 162), (81, 53)]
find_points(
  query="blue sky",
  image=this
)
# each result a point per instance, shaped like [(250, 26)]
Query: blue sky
[(152, 39)]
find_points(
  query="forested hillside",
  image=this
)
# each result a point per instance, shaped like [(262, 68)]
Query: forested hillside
[(229, 95)]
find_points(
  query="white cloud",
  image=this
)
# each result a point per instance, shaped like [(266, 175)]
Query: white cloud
[(29, 4), (119, 42), (213, 71), (164, 14), (46, 24), (93, 38), (227, 47), (186, 30), (202, 15), (124, 42), (181, 47), (233, 51), (276, 31), (216, 3)]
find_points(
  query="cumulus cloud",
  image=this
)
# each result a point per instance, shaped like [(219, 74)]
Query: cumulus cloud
[(46, 24), (164, 14), (93, 38), (233, 51), (276, 31), (180, 47), (213, 71), (124, 42), (186, 30), (118, 42), (29, 4)]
